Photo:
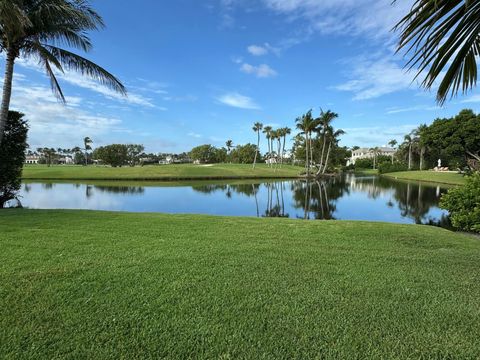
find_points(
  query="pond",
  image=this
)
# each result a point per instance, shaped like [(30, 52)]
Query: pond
[(349, 197)]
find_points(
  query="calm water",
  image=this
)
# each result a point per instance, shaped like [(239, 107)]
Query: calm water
[(346, 198)]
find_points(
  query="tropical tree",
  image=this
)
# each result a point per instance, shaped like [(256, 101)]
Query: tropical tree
[(87, 143), (420, 139), (306, 124), (332, 137), (375, 152), (229, 145), (392, 144), (35, 29), (284, 131), (409, 142), (257, 127), (323, 126), (267, 130), (442, 39)]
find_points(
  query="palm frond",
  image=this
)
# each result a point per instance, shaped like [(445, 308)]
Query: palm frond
[(442, 37), (86, 67)]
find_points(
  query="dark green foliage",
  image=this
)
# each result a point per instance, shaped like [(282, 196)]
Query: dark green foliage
[(364, 163), (463, 203), (208, 154), (114, 155), (134, 152), (12, 156), (388, 167), (244, 154)]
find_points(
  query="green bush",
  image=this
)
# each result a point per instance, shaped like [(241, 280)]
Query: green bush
[(12, 156), (463, 203), (364, 164), (384, 168)]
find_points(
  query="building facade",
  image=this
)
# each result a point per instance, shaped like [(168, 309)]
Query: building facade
[(367, 153)]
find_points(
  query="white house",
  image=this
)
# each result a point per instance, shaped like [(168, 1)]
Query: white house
[(367, 153), (32, 159)]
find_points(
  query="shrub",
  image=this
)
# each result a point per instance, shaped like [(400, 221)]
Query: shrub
[(463, 203), (364, 163), (384, 168), (12, 156)]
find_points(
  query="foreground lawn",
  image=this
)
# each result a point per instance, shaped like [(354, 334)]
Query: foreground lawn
[(430, 176), (158, 172), (79, 284)]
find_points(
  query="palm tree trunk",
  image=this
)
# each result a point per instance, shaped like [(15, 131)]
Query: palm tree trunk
[(256, 152), (7, 91), (422, 151), (307, 164), (311, 149), (283, 148), (323, 147), (410, 157), (326, 159)]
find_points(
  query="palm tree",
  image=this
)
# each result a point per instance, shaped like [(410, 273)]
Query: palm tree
[(419, 132), (393, 143), (285, 131), (443, 39), (257, 127), (33, 29), (306, 124), (324, 121), (375, 151), (87, 146), (408, 140), (333, 138), (267, 131)]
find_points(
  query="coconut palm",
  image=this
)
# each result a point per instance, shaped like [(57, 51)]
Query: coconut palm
[(267, 130), (375, 152), (332, 137), (306, 124), (284, 131), (34, 29), (420, 140), (87, 143), (257, 127), (409, 142), (324, 121), (392, 144), (442, 37)]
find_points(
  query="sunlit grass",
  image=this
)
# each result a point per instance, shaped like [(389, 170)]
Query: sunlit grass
[(452, 178), (80, 284)]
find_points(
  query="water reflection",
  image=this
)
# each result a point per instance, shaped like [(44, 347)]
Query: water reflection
[(349, 198)]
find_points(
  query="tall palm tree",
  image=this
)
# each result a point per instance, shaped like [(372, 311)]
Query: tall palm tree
[(324, 121), (333, 138), (267, 131), (229, 145), (306, 124), (285, 131), (408, 140), (419, 132), (257, 127), (35, 29), (442, 37), (375, 151), (392, 144), (87, 143)]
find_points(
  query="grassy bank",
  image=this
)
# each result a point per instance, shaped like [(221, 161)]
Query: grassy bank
[(451, 178), (78, 284), (159, 172)]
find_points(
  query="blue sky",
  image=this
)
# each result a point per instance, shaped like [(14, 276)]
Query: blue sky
[(204, 71)]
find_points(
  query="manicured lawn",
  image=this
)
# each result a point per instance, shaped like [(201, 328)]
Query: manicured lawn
[(430, 176), (158, 172), (79, 284), (366, 171)]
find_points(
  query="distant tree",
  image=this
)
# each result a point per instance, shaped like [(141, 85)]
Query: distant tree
[(392, 144), (257, 127), (12, 156), (284, 132), (332, 136), (267, 130), (229, 145), (49, 154), (244, 154), (204, 154), (306, 124), (115, 155), (87, 143), (134, 152)]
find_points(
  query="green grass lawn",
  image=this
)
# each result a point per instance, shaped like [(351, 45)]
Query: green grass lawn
[(80, 284), (158, 172), (366, 171), (430, 176)]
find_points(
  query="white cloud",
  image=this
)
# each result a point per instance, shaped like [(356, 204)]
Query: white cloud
[(261, 71), (257, 50), (372, 78), (238, 101), (397, 110), (376, 135), (195, 135)]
